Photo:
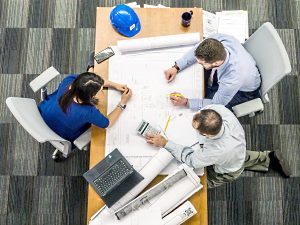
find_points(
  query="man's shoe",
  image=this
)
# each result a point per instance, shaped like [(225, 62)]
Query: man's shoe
[(279, 163)]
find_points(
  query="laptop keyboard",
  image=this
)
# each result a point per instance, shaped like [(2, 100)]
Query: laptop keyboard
[(118, 172)]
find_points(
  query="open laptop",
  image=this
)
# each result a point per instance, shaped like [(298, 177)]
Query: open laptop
[(112, 177)]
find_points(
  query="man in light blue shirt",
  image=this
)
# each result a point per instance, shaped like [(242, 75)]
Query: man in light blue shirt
[(231, 75), (223, 148)]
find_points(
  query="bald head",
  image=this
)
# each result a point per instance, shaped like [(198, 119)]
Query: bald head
[(208, 122)]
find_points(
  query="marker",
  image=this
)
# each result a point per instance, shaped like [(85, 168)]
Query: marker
[(178, 95)]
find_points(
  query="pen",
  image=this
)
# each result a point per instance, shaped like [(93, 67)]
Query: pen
[(167, 123), (164, 134), (178, 95), (194, 144)]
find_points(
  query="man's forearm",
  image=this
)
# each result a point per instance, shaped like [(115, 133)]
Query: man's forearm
[(187, 59), (180, 152), (196, 104)]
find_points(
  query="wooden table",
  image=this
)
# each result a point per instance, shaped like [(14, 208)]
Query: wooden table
[(155, 22)]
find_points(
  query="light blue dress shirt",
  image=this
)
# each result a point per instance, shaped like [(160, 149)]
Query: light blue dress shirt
[(226, 151), (237, 73)]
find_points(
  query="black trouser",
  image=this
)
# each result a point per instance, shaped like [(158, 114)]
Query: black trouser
[(238, 98)]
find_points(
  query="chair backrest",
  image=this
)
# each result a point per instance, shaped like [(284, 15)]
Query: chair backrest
[(26, 112), (43, 79), (270, 55)]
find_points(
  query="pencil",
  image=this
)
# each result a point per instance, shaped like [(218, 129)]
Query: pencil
[(178, 95), (167, 123)]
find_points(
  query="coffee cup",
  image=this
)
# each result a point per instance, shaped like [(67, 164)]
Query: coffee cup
[(186, 18)]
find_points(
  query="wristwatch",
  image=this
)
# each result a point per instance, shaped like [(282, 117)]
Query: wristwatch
[(176, 67), (122, 106)]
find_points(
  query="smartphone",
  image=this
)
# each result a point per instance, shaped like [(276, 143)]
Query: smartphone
[(104, 54)]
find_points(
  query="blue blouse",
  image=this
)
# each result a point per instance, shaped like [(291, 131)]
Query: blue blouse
[(78, 118)]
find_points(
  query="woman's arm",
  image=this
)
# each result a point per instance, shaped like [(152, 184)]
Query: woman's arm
[(107, 83), (114, 115), (119, 87)]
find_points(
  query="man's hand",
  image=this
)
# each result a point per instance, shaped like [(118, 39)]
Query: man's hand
[(179, 100), (156, 140), (170, 74)]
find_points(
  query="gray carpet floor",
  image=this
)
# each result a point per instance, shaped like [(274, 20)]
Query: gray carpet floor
[(35, 34)]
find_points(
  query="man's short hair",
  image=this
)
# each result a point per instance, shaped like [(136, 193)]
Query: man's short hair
[(210, 122), (210, 50)]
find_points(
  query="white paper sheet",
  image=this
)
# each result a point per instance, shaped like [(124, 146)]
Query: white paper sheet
[(133, 5), (209, 23), (147, 217), (234, 23), (143, 73), (155, 6)]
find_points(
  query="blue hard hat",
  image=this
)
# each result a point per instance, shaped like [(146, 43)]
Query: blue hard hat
[(125, 20)]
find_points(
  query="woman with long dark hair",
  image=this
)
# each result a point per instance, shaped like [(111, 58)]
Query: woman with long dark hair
[(71, 109)]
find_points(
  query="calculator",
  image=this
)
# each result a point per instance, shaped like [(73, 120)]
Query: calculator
[(145, 128)]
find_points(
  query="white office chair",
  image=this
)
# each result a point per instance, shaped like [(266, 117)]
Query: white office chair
[(273, 62), (25, 110)]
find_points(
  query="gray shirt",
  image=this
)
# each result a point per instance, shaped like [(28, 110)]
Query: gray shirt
[(237, 73), (226, 151)]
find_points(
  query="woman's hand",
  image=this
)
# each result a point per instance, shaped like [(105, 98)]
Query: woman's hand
[(120, 87), (126, 95)]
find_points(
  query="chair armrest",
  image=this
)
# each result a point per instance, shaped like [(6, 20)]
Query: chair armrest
[(249, 107), (64, 147), (43, 79), (83, 140)]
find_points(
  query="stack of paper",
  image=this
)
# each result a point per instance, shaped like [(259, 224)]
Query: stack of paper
[(133, 5), (234, 23), (155, 6)]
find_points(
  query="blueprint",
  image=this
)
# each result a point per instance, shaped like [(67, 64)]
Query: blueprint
[(143, 72)]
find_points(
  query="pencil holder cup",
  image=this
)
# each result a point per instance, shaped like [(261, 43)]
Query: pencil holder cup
[(186, 18)]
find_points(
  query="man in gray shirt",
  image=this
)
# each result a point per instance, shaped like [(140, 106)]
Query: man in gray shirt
[(223, 148), (230, 73)]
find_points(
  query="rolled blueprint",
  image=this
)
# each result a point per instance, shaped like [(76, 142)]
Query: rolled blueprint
[(178, 193), (150, 194), (157, 163), (180, 215), (143, 44), (166, 201)]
